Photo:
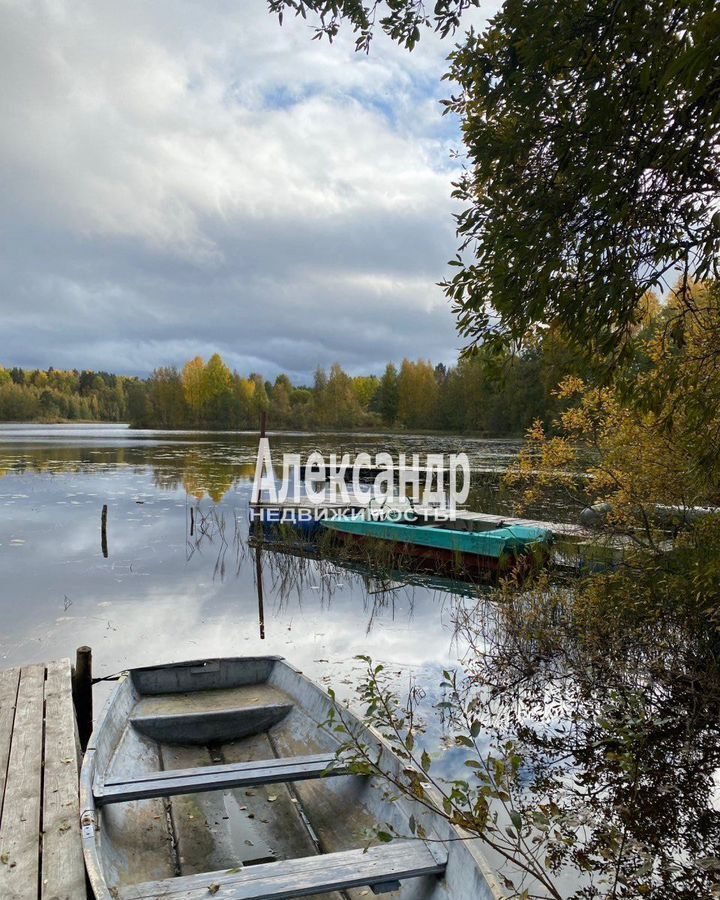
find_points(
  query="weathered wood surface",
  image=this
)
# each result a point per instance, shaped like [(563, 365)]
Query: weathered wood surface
[(299, 877), (9, 681), (63, 871), (20, 828), (217, 778), (40, 851), (461, 516)]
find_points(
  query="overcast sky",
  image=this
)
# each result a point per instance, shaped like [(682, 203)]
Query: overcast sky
[(181, 178)]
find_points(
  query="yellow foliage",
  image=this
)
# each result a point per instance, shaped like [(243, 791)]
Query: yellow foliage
[(192, 380), (650, 439)]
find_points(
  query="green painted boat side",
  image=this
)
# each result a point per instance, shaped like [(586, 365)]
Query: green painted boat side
[(494, 544)]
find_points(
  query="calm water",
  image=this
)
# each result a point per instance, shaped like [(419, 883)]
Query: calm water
[(162, 595)]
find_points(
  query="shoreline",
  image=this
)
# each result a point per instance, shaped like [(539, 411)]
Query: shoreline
[(206, 429)]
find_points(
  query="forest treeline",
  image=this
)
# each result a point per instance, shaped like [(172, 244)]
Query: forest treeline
[(472, 396)]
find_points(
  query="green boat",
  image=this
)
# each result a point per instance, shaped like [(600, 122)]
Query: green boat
[(449, 544)]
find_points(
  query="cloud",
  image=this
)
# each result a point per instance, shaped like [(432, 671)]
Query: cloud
[(186, 178)]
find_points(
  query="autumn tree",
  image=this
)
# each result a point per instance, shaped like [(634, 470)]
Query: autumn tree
[(166, 398), (417, 394), (260, 399), (282, 392), (365, 388), (217, 394), (341, 405), (651, 434), (192, 381), (244, 401)]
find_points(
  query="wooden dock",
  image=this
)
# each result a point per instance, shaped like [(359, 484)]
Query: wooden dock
[(464, 517), (40, 846)]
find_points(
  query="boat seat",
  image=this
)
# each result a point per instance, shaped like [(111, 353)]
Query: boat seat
[(218, 726), (380, 867), (172, 782)]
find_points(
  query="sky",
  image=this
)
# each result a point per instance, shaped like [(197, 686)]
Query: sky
[(183, 178)]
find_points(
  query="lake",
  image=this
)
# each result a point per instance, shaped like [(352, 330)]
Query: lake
[(162, 595), (629, 742)]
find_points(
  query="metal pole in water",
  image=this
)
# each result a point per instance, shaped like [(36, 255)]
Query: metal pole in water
[(82, 694)]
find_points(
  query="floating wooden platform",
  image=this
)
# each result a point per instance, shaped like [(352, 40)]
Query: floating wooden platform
[(486, 520), (40, 847)]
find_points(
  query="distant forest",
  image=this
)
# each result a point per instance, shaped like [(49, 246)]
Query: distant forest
[(478, 395)]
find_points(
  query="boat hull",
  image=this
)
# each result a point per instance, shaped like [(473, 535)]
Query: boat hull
[(431, 548), (138, 829)]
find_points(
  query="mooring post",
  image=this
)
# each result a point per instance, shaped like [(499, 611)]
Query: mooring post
[(103, 531), (82, 694), (255, 495), (261, 599)]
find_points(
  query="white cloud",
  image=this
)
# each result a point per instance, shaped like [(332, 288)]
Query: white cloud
[(184, 177)]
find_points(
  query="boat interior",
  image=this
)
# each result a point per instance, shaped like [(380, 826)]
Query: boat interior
[(220, 778), (458, 524)]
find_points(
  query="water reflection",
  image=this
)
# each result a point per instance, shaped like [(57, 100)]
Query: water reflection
[(179, 580), (619, 732), (622, 730), (213, 465)]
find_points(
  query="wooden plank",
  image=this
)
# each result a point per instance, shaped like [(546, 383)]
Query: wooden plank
[(9, 681), (217, 778), (460, 515), (63, 871), (20, 828), (299, 877)]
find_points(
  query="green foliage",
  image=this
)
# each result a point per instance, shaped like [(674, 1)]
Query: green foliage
[(418, 394), (366, 388), (581, 735), (650, 436), (482, 800), (593, 137), (592, 134), (480, 395), (402, 21), (388, 395), (54, 395)]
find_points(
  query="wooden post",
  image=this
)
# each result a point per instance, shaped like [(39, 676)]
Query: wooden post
[(82, 694), (103, 531), (255, 497), (259, 578)]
